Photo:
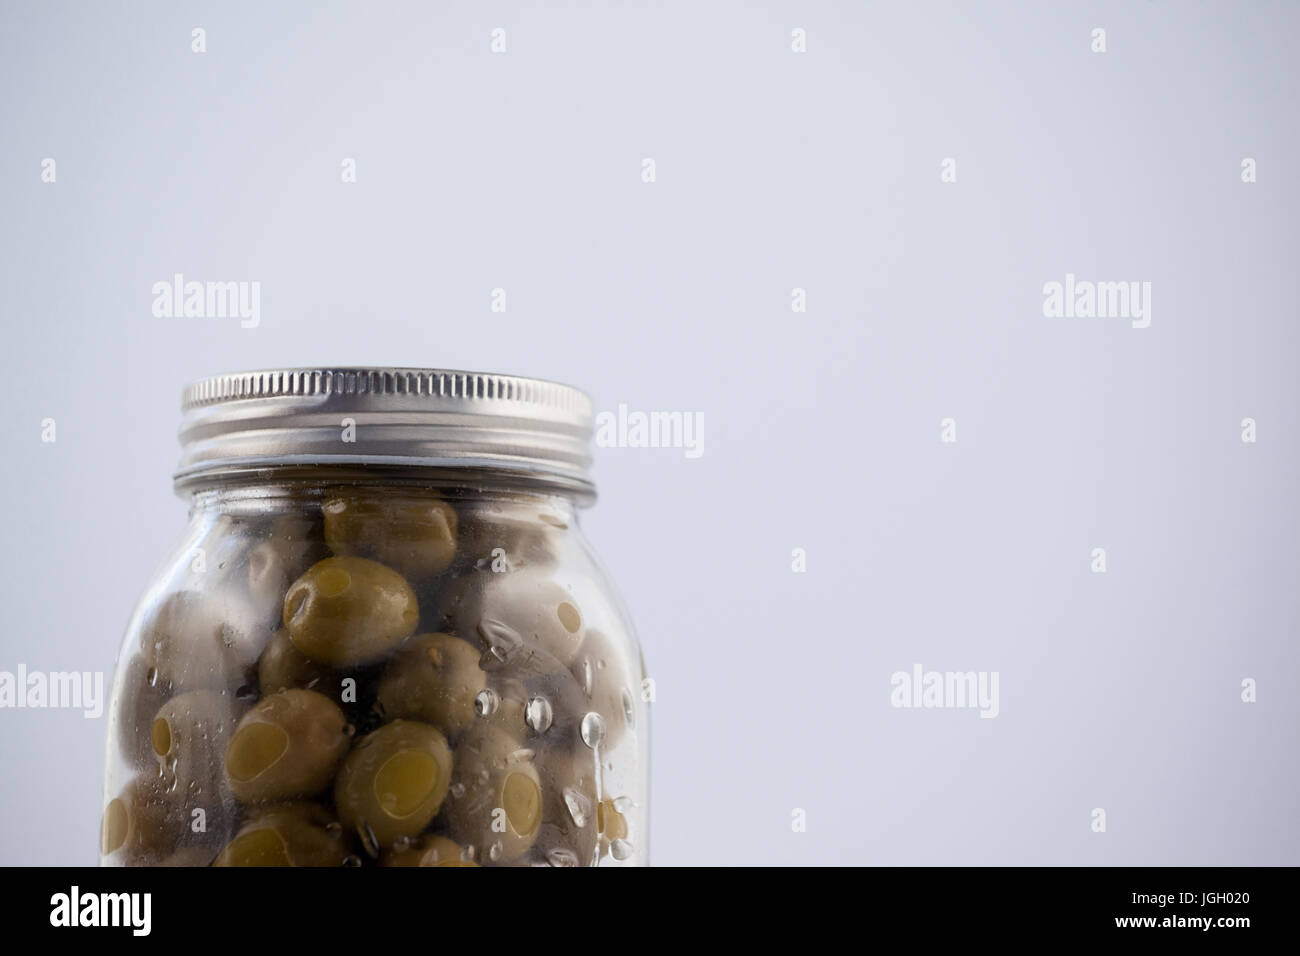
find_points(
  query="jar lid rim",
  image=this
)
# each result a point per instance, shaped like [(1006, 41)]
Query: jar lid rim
[(407, 416), (382, 380)]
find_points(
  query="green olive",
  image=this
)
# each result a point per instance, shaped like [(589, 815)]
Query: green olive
[(287, 746), (142, 825), (571, 830), (187, 644), (135, 703), (393, 782), (435, 678), (496, 795), (232, 589), (297, 542), (512, 712), (282, 666), (428, 850), (521, 618), (349, 611), (611, 824), (268, 578), (190, 856), (542, 714), (504, 705), (607, 687), (187, 737), (415, 535), (289, 834), (496, 536), (291, 545), (543, 711)]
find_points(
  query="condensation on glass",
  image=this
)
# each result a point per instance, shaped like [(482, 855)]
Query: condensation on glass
[(382, 639)]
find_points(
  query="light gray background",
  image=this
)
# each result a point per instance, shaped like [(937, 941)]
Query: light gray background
[(775, 170)]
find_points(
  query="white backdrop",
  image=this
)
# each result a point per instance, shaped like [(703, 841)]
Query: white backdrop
[(774, 170)]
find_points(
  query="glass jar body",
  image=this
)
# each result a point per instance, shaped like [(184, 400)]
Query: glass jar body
[(378, 672)]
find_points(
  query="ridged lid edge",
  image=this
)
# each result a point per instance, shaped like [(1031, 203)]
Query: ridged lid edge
[(440, 383)]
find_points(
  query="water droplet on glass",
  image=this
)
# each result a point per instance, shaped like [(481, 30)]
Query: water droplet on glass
[(579, 806), (562, 857), (458, 790), (402, 844), (586, 676), (495, 852), (352, 860), (620, 849), (369, 842), (501, 641), (486, 702), (629, 711), (152, 677), (334, 828), (593, 730), (349, 730), (539, 715), (522, 755)]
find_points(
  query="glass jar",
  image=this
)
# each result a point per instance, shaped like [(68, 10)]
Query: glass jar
[(383, 639)]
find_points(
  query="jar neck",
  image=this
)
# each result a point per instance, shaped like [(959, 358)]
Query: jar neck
[(282, 488)]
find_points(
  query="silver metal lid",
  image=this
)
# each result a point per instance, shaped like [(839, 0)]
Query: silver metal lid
[(413, 417)]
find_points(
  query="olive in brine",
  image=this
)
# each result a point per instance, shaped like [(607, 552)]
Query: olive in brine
[(393, 782), (570, 833), (289, 834), (287, 746), (273, 563), (504, 705), (611, 824), (542, 709), (142, 825), (496, 801), (607, 688), (291, 547), (415, 535), (435, 678), (282, 666), (510, 535), (135, 703), (428, 850), (188, 644), (190, 856), (349, 611), (516, 616), (188, 736)]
